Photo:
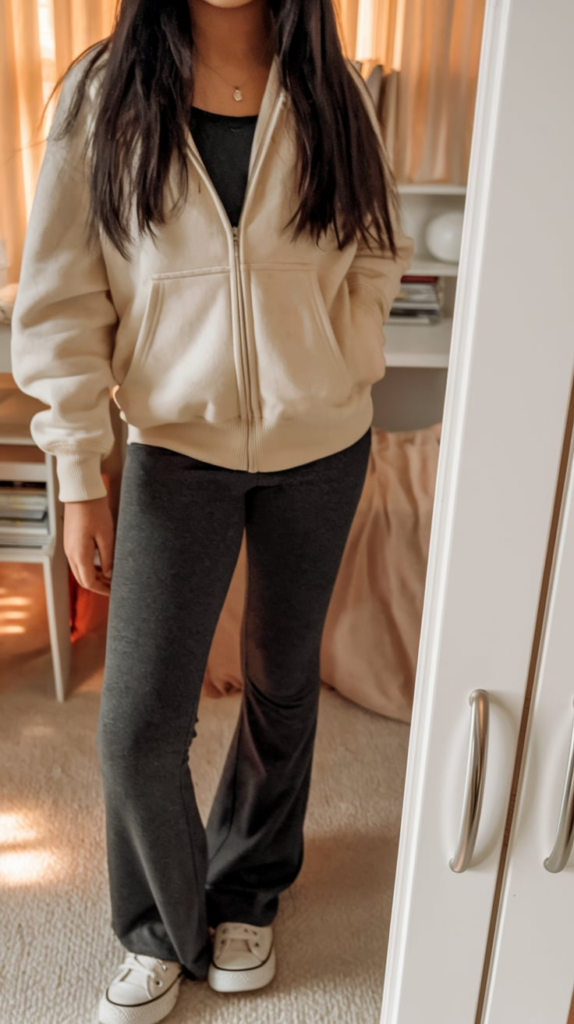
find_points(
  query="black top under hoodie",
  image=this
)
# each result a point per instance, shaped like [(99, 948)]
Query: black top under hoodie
[(224, 142)]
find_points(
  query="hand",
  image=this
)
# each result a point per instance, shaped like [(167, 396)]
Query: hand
[(89, 525)]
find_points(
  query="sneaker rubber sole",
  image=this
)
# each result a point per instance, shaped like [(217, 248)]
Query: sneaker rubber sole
[(224, 979), (144, 1013)]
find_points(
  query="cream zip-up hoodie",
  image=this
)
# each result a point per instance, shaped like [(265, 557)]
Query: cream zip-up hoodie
[(234, 346)]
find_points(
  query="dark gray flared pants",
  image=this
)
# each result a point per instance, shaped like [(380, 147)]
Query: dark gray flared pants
[(178, 537)]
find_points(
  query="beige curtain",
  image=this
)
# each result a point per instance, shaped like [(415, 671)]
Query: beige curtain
[(371, 29), (434, 45), (38, 39), (20, 104)]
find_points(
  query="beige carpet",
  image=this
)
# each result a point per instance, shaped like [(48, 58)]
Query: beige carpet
[(57, 945)]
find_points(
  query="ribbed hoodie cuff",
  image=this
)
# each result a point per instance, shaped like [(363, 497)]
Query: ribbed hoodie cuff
[(79, 476)]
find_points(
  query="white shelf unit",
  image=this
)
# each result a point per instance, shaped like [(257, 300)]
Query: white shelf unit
[(432, 189), (21, 459), (409, 397), (426, 345)]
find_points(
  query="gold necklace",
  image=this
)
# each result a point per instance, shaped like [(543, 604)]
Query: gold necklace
[(237, 94)]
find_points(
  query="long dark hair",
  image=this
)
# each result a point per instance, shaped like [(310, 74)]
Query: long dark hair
[(344, 178)]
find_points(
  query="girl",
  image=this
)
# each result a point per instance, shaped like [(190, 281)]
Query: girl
[(216, 242)]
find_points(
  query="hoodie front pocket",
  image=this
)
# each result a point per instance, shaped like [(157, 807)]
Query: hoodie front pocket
[(299, 362), (183, 362)]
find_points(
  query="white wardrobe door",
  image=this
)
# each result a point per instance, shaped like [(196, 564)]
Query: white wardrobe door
[(532, 969), (505, 414)]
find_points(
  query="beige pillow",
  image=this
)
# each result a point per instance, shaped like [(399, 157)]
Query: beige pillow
[(371, 636)]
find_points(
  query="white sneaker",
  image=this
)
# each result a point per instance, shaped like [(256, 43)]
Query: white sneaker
[(243, 957), (143, 991)]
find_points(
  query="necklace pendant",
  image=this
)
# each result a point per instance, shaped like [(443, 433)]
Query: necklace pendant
[(237, 94)]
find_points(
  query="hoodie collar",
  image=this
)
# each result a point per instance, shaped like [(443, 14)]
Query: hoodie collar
[(273, 95)]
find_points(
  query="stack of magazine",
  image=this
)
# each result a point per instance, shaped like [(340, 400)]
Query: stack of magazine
[(23, 514), (419, 301)]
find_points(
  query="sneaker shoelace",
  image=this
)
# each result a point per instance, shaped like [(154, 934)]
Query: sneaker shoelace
[(237, 933), (139, 972)]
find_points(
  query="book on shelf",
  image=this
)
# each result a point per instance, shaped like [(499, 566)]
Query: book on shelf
[(419, 301), (24, 520), (414, 318), (23, 501), (24, 532)]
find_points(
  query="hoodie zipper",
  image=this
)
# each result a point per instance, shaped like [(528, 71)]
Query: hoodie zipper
[(243, 339), (235, 232)]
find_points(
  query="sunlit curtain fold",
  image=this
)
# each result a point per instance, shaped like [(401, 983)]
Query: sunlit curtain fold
[(21, 94), (38, 39), (434, 45)]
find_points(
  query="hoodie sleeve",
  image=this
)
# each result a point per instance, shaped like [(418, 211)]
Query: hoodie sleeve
[(374, 272), (63, 322)]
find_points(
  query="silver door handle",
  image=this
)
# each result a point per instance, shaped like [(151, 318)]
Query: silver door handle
[(565, 830), (474, 784)]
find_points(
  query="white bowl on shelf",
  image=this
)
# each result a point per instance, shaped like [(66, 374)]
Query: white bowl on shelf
[(443, 236)]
